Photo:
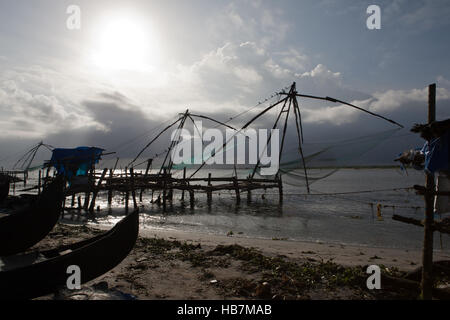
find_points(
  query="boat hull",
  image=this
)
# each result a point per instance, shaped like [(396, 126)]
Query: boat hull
[(23, 228), (4, 187), (94, 257)]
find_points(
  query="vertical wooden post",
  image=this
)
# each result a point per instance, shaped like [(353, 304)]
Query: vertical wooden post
[(164, 189), (236, 189), (111, 173), (149, 163), (96, 190), (39, 182), (191, 198), (170, 194), (427, 254), (280, 188), (64, 199), (127, 192), (133, 192), (87, 194), (249, 191), (184, 182), (208, 192)]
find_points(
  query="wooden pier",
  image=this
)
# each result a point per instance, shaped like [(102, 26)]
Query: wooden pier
[(133, 184)]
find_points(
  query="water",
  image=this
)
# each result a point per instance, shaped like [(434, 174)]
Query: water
[(347, 219)]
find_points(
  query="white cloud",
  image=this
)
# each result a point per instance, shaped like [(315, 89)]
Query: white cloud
[(409, 104), (249, 21), (34, 102), (320, 71)]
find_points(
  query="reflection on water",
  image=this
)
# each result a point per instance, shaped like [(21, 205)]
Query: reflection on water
[(350, 219)]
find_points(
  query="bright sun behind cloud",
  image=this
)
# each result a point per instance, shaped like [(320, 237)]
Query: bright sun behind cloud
[(124, 43)]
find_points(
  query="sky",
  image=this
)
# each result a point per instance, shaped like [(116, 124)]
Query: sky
[(133, 66)]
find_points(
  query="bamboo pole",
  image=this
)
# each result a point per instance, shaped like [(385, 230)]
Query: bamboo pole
[(127, 192), (249, 192), (115, 165), (298, 123), (236, 189), (164, 189), (191, 198), (110, 191), (184, 181), (149, 163), (427, 254), (133, 192), (208, 192), (280, 188), (96, 190)]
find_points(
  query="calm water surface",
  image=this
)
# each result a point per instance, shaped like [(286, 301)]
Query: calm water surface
[(348, 218)]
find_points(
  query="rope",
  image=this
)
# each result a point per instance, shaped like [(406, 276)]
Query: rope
[(350, 192), (366, 202)]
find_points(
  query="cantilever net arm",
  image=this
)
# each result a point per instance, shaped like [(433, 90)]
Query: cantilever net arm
[(150, 143), (348, 104)]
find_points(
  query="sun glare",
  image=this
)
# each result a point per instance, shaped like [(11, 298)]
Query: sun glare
[(124, 44)]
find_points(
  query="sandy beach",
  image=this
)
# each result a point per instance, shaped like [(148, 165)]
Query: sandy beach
[(183, 265)]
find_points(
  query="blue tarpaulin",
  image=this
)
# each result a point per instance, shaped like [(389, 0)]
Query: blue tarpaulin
[(437, 153), (76, 161)]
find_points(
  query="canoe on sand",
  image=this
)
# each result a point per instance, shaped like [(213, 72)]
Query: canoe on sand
[(22, 228), (39, 273)]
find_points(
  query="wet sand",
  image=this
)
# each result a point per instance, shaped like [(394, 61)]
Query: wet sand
[(183, 265), (346, 255)]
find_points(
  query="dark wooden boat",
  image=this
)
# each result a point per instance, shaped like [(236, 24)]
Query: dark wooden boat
[(32, 275), (4, 187), (22, 228)]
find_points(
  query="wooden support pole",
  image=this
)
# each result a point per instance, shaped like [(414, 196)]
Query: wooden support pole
[(191, 198), (436, 226), (39, 182), (280, 187), (115, 165), (184, 181), (87, 195), (110, 192), (427, 254), (164, 189), (96, 190), (133, 192), (149, 163), (236, 189), (127, 192), (64, 199), (209, 192), (249, 190)]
